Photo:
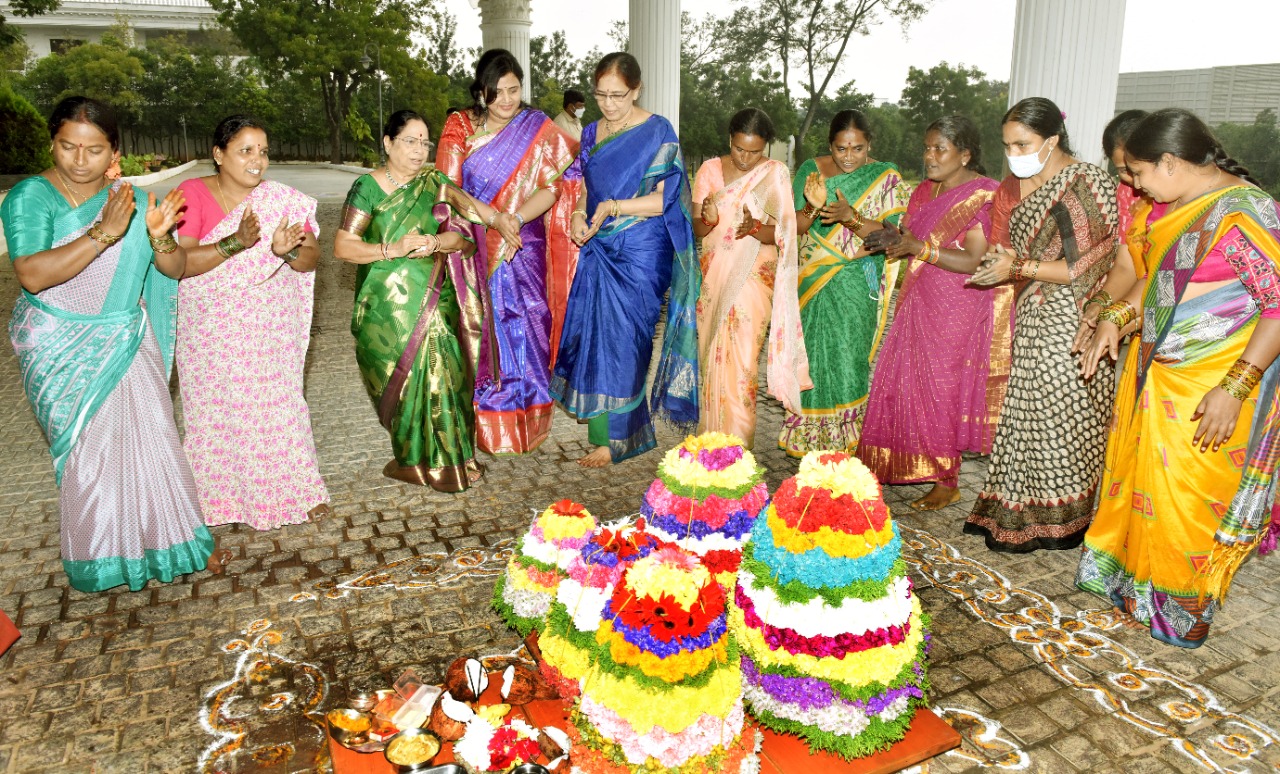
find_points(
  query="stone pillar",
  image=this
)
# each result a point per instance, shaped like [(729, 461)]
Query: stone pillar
[(655, 43), (505, 24), (1070, 53)]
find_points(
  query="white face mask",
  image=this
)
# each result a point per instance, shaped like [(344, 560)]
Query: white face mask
[(579, 112), (1030, 164)]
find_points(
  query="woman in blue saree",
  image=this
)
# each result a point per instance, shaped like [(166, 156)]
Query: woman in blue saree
[(637, 243), (94, 335)]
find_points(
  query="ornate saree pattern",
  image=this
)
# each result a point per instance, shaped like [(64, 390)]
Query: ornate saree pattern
[(420, 330), (1173, 523), (1047, 455), (505, 169), (940, 378), (844, 307), (623, 273)]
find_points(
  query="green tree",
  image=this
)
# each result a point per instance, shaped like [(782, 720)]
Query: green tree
[(552, 69), (324, 41), (847, 97), (945, 90), (11, 34), (894, 138), (24, 137), (810, 40), (108, 71), (188, 91), (1257, 147)]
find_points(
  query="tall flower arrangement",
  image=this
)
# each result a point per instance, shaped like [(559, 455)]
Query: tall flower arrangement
[(833, 639), (523, 595)]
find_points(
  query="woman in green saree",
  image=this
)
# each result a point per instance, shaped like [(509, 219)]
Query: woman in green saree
[(421, 309), (844, 289)]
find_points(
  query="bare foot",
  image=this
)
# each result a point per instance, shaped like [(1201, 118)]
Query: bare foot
[(218, 560), (939, 497), (598, 458), (323, 509)]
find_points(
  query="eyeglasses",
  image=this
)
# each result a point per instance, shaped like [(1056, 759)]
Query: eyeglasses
[(412, 142), (602, 96)]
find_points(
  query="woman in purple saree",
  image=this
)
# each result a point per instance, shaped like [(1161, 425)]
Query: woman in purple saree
[(940, 377)]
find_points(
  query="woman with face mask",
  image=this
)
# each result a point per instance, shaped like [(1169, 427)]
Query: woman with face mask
[(744, 216), (509, 158), (1054, 227)]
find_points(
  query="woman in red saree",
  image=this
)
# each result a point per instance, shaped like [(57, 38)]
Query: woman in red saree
[(509, 158)]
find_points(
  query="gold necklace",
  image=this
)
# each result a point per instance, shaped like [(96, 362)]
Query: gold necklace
[(221, 201), (67, 186), (626, 125)]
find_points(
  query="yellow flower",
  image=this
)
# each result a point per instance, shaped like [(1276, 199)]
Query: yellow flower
[(572, 661), (652, 577), (673, 668), (839, 474), (557, 526), (518, 576), (880, 665), (844, 545), (674, 709)]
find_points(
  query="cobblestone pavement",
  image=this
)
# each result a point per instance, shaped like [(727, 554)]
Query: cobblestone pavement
[(231, 673)]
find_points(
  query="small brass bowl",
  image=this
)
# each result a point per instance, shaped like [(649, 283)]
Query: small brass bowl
[(349, 727), (412, 749)]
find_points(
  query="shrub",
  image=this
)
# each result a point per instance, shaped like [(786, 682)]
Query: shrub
[(24, 136), (130, 166)]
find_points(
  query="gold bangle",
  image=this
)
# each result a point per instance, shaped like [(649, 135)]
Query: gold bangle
[(809, 211), (617, 208), (1119, 314), (164, 245), (1035, 270), (1102, 298), (1241, 379), (96, 233), (576, 213), (854, 223)]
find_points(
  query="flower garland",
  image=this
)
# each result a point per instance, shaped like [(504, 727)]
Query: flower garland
[(816, 568), (835, 543), (737, 525), (759, 575), (878, 665), (698, 740), (807, 509), (817, 618), (820, 646)]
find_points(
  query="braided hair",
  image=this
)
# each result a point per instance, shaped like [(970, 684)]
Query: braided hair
[(1182, 134)]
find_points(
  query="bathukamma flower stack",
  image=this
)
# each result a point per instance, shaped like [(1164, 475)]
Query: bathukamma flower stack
[(567, 640), (707, 495), (541, 560), (832, 638), (664, 693)]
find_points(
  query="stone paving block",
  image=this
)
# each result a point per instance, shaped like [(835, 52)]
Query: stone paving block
[(46, 752), (24, 728), (1078, 751)]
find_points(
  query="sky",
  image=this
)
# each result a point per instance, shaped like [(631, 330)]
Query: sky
[(1158, 35)]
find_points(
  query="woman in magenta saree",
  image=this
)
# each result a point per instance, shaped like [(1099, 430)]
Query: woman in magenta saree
[(509, 158), (637, 243), (940, 378)]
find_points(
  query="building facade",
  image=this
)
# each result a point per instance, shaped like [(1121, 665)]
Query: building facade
[(84, 21), (1219, 95)]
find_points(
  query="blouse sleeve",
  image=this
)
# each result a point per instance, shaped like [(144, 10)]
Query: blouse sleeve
[(357, 211), (1255, 270), (28, 213), (452, 149)]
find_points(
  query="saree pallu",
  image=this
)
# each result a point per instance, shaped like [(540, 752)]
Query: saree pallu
[(419, 326), (1174, 524), (746, 286), (514, 413), (94, 354), (614, 304), (844, 307), (1047, 456), (243, 331), (940, 378)]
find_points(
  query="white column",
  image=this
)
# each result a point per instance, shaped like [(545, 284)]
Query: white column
[(655, 43), (505, 24), (1069, 52)]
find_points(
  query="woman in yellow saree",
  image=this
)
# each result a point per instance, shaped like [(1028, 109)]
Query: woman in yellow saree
[(1189, 484), (745, 219), (844, 289)]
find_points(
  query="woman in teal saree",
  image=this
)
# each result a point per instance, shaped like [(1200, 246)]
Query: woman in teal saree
[(421, 310), (94, 335)]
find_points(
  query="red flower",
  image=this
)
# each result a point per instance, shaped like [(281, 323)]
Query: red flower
[(507, 748), (568, 508), (833, 457), (663, 618), (809, 509)]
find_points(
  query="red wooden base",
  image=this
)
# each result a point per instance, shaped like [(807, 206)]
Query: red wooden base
[(8, 632), (928, 736)]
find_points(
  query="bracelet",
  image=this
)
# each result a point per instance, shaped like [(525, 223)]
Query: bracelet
[(290, 256), (163, 244), (229, 246), (434, 244), (385, 257), (1119, 314), (96, 233), (854, 223), (809, 211), (1016, 269), (576, 213), (1035, 269), (930, 253), (489, 223), (1240, 379), (702, 217), (1102, 298), (759, 224), (617, 208), (520, 218)]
